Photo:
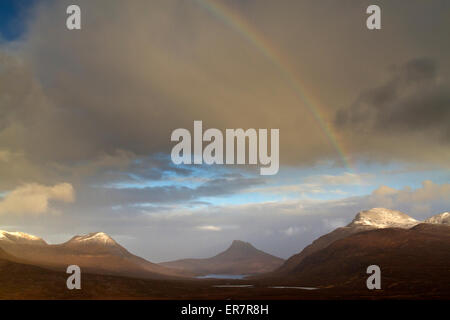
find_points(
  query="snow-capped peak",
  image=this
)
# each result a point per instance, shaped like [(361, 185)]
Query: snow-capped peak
[(96, 237), (381, 218), (442, 218), (19, 237)]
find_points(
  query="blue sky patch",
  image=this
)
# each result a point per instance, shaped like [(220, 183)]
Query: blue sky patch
[(12, 17)]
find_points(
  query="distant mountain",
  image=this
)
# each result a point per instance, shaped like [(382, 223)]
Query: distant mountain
[(376, 218), (94, 253), (443, 218), (239, 259), (411, 260)]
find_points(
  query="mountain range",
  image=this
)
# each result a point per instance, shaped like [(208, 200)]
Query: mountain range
[(94, 253), (376, 218), (414, 257)]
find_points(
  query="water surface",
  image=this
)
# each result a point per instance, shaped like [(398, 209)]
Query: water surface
[(300, 288), (223, 276)]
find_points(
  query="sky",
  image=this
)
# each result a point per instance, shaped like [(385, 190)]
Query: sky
[(13, 17), (86, 118)]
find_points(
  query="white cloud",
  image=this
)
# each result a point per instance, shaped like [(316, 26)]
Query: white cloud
[(331, 224), (35, 198), (346, 178), (317, 184), (210, 228), (420, 200), (290, 188), (292, 231)]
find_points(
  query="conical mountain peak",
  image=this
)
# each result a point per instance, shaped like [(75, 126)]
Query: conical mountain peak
[(238, 244)]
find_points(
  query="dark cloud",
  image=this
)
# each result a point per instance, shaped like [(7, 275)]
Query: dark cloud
[(412, 102), (135, 73), (103, 197)]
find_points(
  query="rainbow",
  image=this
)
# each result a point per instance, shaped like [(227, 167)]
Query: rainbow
[(241, 26)]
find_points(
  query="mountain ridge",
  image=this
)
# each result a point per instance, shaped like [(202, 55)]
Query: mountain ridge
[(365, 220), (411, 260), (95, 253)]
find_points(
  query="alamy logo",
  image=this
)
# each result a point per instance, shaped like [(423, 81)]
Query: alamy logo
[(374, 20), (235, 140), (73, 22), (374, 281), (74, 281)]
